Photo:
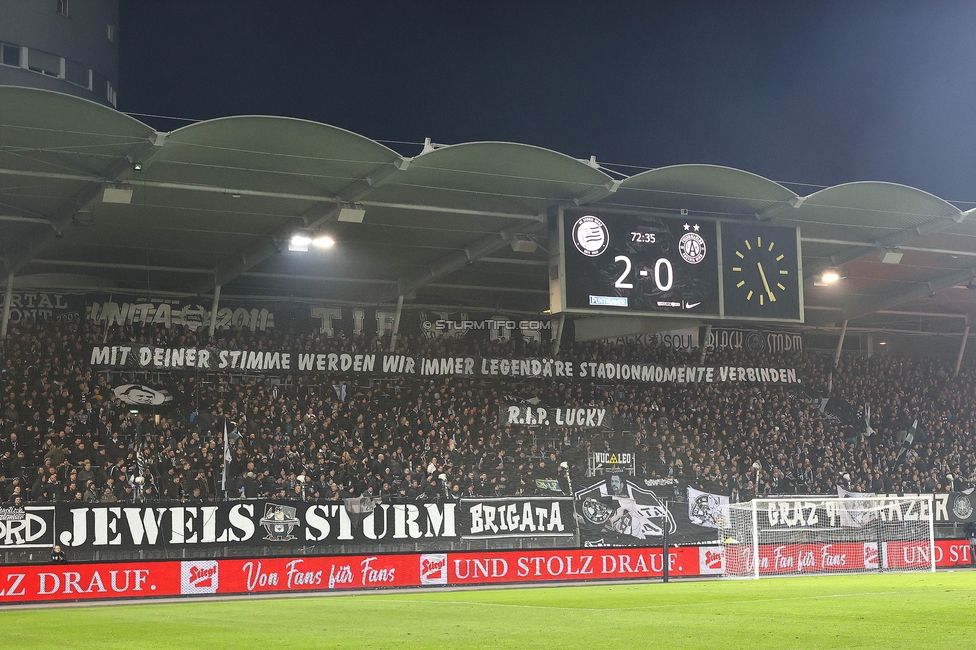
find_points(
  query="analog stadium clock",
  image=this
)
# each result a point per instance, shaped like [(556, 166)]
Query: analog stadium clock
[(761, 272)]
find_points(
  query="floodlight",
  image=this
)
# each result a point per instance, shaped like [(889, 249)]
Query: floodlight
[(299, 243), (351, 215), (323, 241), (117, 195)]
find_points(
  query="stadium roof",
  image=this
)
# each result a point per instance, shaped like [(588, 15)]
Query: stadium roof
[(216, 202)]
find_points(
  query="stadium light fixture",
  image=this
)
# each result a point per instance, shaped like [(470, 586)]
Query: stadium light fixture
[(121, 194), (351, 214), (299, 243), (827, 278), (890, 256), (524, 244)]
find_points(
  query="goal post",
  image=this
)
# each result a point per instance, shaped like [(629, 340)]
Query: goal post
[(827, 535)]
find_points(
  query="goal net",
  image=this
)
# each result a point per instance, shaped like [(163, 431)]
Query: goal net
[(823, 535)]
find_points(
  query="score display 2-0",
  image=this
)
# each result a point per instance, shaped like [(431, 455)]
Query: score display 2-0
[(640, 264), (626, 263)]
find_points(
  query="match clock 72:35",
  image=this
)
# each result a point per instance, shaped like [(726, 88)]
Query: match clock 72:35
[(761, 271)]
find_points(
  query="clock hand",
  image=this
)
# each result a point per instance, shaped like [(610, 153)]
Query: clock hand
[(762, 274)]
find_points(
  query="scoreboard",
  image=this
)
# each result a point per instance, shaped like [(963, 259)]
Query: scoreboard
[(615, 263)]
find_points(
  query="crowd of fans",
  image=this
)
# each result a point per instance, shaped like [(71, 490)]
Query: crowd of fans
[(64, 436)]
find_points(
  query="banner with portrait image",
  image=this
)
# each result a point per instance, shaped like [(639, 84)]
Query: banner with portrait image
[(619, 511), (705, 508)]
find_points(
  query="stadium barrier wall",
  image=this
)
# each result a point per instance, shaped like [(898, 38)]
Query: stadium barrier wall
[(174, 578)]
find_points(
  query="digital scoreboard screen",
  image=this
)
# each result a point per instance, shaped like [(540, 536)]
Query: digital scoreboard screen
[(635, 263), (615, 263)]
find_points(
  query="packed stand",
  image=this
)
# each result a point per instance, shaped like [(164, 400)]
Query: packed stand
[(65, 437)]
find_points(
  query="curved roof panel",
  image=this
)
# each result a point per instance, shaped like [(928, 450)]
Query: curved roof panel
[(53, 133), (269, 154), (706, 189), (217, 199), (873, 204), (526, 174)]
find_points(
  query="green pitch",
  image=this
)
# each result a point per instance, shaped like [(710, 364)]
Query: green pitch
[(898, 611)]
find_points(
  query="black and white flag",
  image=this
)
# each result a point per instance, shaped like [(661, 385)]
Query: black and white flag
[(856, 513), (909, 438), (704, 508)]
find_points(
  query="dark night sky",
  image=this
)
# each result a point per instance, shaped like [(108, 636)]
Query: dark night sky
[(814, 92)]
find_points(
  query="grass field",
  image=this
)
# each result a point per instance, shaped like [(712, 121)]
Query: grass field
[(874, 611)]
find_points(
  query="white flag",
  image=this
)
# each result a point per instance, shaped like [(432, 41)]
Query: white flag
[(227, 458), (704, 508), (855, 513), (868, 431)]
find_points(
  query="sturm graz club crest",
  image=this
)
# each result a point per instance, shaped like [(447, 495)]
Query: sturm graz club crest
[(591, 236), (962, 507), (621, 512), (278, 522)]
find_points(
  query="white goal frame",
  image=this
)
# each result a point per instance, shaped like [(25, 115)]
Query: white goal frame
[(873, 528)]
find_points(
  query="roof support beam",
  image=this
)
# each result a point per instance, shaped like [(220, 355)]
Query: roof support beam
[(215, 189), (866, 306), (598, 193), (889, 241), (450, 210), (23, 251), (920, 249), (459, 259), (8, 298), (14, 217), (323, 211), (125, 267), (245, 260), (512, 260), (476, 287)]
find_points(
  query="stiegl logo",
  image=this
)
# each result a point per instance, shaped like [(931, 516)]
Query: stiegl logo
[(591, 236), (199, 577), (433, 569)]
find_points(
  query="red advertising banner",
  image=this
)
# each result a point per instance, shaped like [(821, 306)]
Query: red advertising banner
[(488, 567), (948, 553), (119, 580), (65, 582), (847, 556), (803, 558), (268, 575)]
